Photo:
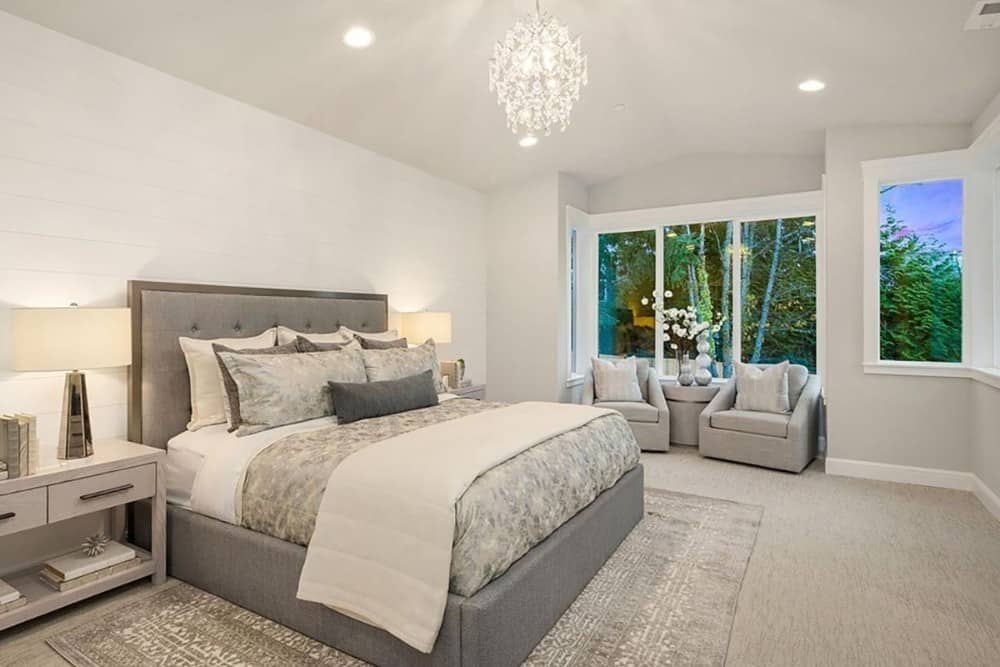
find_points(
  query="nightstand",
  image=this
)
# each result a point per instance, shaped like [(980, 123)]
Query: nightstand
[(473, 391), (118, 473)]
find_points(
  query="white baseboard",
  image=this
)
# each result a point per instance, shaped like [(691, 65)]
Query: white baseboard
[(989, 499), (944, 479)]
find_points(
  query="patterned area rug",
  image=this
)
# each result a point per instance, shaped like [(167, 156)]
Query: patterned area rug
[(666, 597)]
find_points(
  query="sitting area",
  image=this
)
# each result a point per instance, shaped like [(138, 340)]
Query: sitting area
[(645, 410), (763, 435)]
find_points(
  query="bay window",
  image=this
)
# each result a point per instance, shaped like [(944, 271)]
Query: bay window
[(751, 263)]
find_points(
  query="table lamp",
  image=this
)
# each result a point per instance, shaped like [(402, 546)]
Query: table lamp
[(68, 339), (418, 327)]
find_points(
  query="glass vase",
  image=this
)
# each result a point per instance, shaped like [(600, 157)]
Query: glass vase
[(684, 376)]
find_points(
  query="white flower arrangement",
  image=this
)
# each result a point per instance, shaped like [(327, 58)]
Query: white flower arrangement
[(681, 328)]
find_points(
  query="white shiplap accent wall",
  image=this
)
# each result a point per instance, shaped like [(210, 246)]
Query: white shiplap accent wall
[(110, 170)]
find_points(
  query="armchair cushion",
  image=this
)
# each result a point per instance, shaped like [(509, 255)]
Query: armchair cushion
[(756, 423), (633, 411)]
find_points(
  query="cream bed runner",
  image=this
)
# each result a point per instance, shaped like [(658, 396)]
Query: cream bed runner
[(381, 550)]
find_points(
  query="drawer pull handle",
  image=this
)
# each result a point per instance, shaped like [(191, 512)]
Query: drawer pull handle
[(107, 492), (7, 515)]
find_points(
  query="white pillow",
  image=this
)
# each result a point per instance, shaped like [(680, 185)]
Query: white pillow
[(390, 335), (287, 335), (762, 389), (208, 401), (615, 380)]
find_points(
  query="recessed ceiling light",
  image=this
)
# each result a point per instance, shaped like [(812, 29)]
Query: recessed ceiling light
[(812, 86), (358, 37), (527, 141), (618, 107)]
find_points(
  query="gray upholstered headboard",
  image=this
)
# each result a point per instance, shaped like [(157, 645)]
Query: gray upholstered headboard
[(159, 391)]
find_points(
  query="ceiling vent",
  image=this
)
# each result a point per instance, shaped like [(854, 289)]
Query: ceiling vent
[(985, 15)]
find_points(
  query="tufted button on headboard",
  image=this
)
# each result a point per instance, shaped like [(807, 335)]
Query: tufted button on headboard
[(159, 389)]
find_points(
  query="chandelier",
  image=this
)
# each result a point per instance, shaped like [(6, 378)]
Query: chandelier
[(537, 72)]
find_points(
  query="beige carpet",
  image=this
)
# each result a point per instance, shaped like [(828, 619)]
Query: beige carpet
[(854, 572), (667, 596)]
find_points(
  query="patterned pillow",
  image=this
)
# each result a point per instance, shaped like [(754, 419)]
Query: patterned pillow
[(275, 390), (762, 389), (231, 395), (305, 345), (379, 344), (396, 363)]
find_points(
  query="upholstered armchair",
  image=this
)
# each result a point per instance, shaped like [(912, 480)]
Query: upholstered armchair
[(781, 441), (649, 418)]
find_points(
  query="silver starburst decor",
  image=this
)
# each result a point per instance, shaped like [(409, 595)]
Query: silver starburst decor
[(95, 545), (537, 72)]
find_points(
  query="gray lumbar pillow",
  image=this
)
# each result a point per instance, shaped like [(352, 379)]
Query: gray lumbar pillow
[(362, 400), (378, 344)]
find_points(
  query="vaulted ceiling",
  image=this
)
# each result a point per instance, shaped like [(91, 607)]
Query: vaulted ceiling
[(694, 76)]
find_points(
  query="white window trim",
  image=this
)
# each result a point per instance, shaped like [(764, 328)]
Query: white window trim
[(738, 211), (949, 165)]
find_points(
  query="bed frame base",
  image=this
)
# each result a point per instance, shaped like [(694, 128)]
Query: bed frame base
[(496, 627)]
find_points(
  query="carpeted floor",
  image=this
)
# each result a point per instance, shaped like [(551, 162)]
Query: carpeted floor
[(845, 572), (854, 572), (667, 596)]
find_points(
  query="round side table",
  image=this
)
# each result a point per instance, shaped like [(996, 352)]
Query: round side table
[(686, 404)]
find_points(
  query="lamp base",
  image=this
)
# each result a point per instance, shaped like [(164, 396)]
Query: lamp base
[(75, 437)]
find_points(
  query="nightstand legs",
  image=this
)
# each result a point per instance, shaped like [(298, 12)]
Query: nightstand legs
[(158, 536)]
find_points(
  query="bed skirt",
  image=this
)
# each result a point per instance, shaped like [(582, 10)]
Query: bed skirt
[(498, 626)]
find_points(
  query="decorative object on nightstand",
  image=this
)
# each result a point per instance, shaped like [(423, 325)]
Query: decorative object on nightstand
[(95, 545), (418, 327), (454, 372), (18, 446), (686, 404), (79, 568), (57, 339), (473, 391), (117, 474), (10, 598)]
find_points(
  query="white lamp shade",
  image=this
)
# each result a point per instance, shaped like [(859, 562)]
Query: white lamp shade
[(418, 327), (62, 339)]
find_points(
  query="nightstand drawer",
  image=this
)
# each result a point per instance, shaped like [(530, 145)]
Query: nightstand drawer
[(91, 494), (22, 510)]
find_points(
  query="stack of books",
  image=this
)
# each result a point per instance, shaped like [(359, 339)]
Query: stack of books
[(78, 569), (18, 446), (10, 597)]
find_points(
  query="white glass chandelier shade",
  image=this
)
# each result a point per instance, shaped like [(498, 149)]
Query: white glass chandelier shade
[(537, 72)]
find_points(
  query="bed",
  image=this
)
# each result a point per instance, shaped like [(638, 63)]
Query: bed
[(498, 624)]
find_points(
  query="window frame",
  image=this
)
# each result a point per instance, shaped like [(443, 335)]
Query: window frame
[(737, 212), (933, 167)]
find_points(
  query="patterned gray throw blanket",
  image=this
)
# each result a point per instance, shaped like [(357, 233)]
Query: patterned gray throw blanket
[(506, 511)]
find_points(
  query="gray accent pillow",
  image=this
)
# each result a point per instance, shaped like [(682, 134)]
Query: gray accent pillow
[(376, 344), (281, 389), (356, 401), (231, 397), (397, 363), (305, 345)]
